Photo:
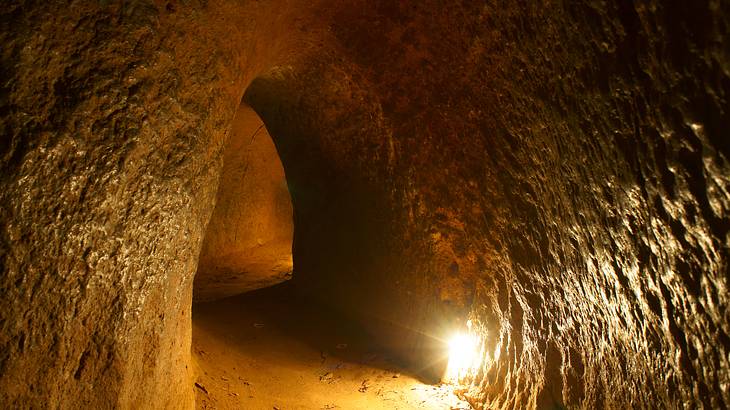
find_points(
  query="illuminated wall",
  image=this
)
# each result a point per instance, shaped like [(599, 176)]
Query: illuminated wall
[(554, 172)]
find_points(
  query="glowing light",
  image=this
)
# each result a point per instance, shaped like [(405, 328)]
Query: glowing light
[(463, 357)]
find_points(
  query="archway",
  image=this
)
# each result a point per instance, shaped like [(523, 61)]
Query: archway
[(260, 340), (248, 241)]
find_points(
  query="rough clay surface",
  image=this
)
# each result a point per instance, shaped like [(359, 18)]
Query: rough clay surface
[(248, 242), (556, 171), (114, 116)]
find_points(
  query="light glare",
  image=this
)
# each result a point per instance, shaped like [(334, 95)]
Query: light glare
[(463, 356)]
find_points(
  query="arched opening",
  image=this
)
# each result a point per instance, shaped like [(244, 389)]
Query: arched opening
[(549, 178), (248, 242), (261, 340)]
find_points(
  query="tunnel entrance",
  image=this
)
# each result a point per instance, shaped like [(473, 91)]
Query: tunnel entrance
[(258, 341), (248, 243)]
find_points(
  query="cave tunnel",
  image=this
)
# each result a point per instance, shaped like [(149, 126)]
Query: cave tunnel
[(350, 204), (309, 343)]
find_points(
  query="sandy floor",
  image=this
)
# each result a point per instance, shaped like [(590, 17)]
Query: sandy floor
[(261, 351)]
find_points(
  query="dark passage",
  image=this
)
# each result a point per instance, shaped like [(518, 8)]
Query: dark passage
[(529, 200)]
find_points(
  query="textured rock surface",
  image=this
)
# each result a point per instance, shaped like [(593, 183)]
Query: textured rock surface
[(248, 242), (114, 115), (556, 171)]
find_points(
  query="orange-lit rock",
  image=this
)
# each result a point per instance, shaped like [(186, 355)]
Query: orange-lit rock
[(248, 241), (555, 171), (113, 117)]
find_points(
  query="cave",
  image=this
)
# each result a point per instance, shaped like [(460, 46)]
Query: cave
[(288, 346), (350, 204)]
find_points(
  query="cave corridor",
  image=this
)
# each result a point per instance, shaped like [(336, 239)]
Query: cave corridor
[(364, 204)]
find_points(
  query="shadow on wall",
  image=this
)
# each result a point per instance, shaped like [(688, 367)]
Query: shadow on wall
[(353, 246), (248, 242)]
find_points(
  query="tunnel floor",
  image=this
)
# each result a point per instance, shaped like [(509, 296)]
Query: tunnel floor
[(270, 350)]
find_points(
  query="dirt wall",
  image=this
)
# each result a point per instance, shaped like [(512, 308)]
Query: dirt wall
[(555, 171)]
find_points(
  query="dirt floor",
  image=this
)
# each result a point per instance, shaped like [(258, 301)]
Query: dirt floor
[(264, 350)]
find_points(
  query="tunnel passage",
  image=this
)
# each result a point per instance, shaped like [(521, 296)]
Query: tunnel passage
[(294, 344), (248, 241), (554, 173)]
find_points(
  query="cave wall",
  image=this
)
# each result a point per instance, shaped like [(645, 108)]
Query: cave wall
[(114, 115), (555, 171)]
